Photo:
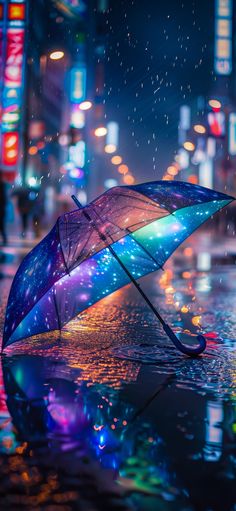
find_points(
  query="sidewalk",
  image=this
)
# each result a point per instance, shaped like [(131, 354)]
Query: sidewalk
[(213, 244)]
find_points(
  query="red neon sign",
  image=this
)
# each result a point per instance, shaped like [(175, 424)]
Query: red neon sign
[(16, 11), (14, 57), (10, 148)]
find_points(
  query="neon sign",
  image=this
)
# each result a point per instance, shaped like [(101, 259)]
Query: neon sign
[(10, 148), (16, 11), (14, 23), (223, 37), (14, 57)]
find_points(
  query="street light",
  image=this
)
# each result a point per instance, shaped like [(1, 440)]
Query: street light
[(172, 170), (33, 150), (199, 128), (116, 160), (215, 104), (101, 131), (128, 179), (189, 146), (85, 105), (57, 55), (110, 148), (123, 169)]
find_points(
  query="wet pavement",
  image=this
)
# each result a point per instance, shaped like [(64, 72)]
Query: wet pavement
[(109, 416)]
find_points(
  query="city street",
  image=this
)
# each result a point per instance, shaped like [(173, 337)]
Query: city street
[(117, 255), (109, 415)]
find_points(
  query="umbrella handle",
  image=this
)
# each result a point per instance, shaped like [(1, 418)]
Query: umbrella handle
[(190, 351)]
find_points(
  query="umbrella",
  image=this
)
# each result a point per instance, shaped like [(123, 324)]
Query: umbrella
[(122, 235)]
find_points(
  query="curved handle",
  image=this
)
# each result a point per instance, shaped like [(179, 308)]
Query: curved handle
[(190, 351)]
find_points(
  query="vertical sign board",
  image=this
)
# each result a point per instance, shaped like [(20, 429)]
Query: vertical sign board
[(112, 137), (232, 134), (223, 37), (206, 173), (78, 85), (12, 84), (184, 123)]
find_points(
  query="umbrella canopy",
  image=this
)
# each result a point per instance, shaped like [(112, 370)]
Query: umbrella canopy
[(74, 265)]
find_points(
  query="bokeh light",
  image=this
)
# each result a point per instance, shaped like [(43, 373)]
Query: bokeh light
[(123, 169), (199, 128), (33, 150), (85, 105), (215, 104), (101, 131), (116, 160), (110, 148), (189, 146), (57, 55), (128, 179)]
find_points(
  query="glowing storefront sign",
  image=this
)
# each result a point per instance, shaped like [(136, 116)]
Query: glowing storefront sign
[(223, 37)]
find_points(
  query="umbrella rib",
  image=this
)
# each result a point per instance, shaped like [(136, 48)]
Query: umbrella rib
[(151, 203), (81, 251), (129, 233)]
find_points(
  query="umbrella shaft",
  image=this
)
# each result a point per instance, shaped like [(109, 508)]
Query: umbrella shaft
[(136, 284)]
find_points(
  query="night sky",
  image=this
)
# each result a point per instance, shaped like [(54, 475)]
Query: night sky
[(159, 56)]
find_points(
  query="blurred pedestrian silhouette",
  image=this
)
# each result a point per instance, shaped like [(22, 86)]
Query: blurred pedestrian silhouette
[(3, 205), (30, 204), (24, 205)]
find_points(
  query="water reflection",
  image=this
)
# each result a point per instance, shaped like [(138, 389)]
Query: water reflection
[(74, 441), (214, 433)]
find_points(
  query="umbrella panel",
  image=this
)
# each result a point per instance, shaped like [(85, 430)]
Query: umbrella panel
[(116, 213)]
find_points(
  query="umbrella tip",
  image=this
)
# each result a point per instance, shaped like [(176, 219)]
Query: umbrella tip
[(76, 201)]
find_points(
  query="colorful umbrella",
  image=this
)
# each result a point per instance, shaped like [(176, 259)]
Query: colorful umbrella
[(121, 236)]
